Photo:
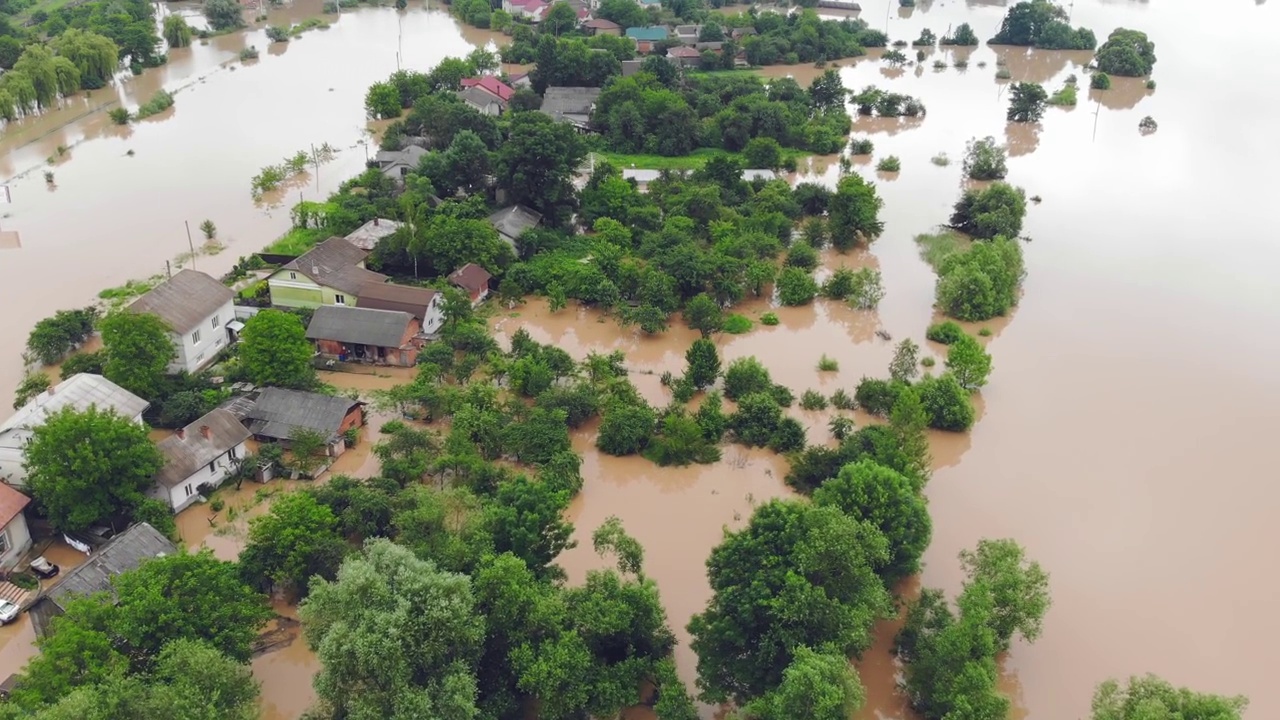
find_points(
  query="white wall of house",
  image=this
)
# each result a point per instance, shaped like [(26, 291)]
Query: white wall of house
[(434, 320), (199, 347), (184, 493), (15, 540)]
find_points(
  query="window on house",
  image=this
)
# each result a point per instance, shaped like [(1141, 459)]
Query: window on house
[(233, 454), (195, 338), (188, 489), (340, 299), (213, 466), (214, 323), (4, 541), (200, 357), (293, 276)]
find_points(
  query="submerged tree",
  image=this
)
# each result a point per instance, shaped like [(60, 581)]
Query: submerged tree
[(176, 31), (985, 160), (1146, 697), (1026, 102), (1127, 53)]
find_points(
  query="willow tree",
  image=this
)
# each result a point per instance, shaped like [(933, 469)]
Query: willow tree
[(18, 85), (67, 74), (8, 106), (37, 63), (177, 33), (96, 56)]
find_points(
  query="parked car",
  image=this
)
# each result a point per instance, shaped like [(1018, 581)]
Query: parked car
[(8, 612)]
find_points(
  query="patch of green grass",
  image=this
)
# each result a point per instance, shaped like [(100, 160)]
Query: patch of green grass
[(985, 332), (130, 290), (812, 400), (769, 319), (927, 361), (295, 242), (889, 164), (827, 364), (936, 246), (692, 161), (737, 324), (941, 160)]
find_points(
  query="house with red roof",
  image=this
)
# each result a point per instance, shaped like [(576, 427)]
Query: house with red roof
[(488, 95), (15, 538), (601, 26)]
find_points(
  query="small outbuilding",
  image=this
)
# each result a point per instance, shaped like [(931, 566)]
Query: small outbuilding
[(573, 105), (473, 280), (512, 222)]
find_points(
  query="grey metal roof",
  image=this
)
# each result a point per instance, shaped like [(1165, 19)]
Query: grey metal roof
[(359, 326), (184, 301), (641, 175), (278, 412), (350, 279), (410, 156), (184, 455), (480, 98), (79, 392), (121, 553), (573, 104), (367, 235), (510, 222)]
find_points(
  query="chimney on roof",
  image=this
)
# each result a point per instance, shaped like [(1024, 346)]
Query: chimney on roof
[(181, 433), (204, 430)]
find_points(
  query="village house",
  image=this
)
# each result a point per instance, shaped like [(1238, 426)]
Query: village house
[(511, 222), (688, 34), (202, 453), (331, 273), (532, 10), (15, 537), (573, 105), (601, 26), (631, 67), (396, 164), (425, 304), (122, 553), (367, 236), (79, 392), (520, 80), (276, 415), (473, 280), (196, 308), (684, 56), (488, 95), (647, 38), (357, 334), (739, 33)]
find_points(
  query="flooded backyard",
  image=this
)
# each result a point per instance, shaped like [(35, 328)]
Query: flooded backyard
[(1122, 435)]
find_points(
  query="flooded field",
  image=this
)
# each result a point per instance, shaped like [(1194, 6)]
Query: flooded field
[(1122, 435)]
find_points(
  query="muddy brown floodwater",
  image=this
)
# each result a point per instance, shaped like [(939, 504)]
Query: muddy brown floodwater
[(1123, 436)]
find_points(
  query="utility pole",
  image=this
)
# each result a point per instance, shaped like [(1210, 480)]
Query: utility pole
[(190, 243), (1096, 112)]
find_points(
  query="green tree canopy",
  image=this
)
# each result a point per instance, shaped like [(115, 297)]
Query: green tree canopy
[(997, 209), (969, 362), (88, 467), (1152, 698), (274, 350), (537, 162), (1026, 102), (138, 352), (704, 363), (1019, 588), (817, 685), (223, 14), (292, 544), (1127, 53), (867, 491), (797, 575), (396, 637), (855, 212)]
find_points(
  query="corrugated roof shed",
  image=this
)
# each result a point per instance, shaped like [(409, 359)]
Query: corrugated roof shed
[(122, 553), (367, 235), (184, 301), (279, 412), (192, 451), (359, 326), (78, 391)]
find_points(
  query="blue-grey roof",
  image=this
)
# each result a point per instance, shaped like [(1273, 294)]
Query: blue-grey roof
[(277, 413), (359, 326), (652, 33)]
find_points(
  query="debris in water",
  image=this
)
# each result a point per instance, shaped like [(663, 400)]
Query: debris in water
[(884, 335)]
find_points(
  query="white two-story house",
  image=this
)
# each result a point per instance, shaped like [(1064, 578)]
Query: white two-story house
[(79, 391), (197, 309)]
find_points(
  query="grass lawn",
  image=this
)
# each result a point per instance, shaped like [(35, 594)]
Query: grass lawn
[(934, 247), (46, 5), (693, 161), (295, 242)]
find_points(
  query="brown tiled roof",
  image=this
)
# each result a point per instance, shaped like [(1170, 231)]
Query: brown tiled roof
[(390, 296), (184, 455), (471, 277), (11, 504), (184, 300), (602, 24)]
